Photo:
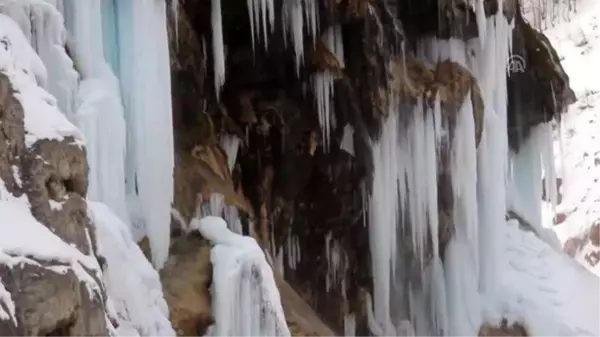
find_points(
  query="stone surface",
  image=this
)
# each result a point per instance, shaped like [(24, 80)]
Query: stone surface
[(50, 298), (503, 329), (186, 279)]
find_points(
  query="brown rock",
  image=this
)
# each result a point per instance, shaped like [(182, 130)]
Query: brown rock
[(572, 246), (516, 329), (52, 303), (55, 180), (186, 279), (594, 235), (560, 218), (204, 172)]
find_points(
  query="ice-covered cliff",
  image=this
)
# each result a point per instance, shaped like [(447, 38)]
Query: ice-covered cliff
[(379, 168)]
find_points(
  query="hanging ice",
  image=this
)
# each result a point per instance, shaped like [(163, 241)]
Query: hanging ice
[(231, 145), (262, 14), (297, 15), (99, 111), (218, 45), (323, 91), (245, 298), (144, 73)]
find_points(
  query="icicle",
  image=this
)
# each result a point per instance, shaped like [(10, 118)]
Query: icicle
[(349, 325), (293, 17), (347, 143), (175, 12), (230, 144), (218, 46), (332, 38), (261, 14), (481, 20), (323, 91)]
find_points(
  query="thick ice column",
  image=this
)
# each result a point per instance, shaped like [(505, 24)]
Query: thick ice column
[(145, 78), (99, 111)]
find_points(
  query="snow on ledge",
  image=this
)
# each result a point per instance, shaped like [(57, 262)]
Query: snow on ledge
[(245, 297), (18, 60), (25, 240)]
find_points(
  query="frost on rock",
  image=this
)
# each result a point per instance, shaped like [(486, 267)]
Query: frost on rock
[(245, 298), (131, 283)]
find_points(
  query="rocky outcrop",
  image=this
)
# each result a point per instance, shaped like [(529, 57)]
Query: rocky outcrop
[(186, 279), (538, 86), (503, 329), (51, 297), (293, 187)]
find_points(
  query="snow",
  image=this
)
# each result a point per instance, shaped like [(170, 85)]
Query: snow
[(23, 67), (551, 293), (25, 240), (245, 298), (132, 284)]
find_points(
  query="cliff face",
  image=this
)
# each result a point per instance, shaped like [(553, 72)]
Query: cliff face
[(303, 187), (288, 145), (48, 286)]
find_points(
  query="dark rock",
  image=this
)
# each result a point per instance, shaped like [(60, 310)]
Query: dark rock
[(540, 91)]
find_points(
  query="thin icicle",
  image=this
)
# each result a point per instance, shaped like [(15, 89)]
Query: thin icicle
[(218, 46), (261, 14), (349, 325), (230, 144), (323, 91)]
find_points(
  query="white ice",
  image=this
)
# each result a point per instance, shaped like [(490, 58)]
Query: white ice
[(245, 298)]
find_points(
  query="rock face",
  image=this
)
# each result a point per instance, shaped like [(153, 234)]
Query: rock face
[(186, 279), (297, 191), (503, 329), (50, 297)]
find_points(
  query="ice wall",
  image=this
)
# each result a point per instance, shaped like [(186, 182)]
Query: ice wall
[(442, 298)]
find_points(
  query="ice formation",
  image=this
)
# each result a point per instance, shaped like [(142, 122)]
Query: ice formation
[(297, 14), (323, 83), (448, 298), (121, 117), (218, 45), (245, 298), (24, 240), (139, 312), (262, 15), (143, 68), (231, 145), (98, 109), (132, 284)]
